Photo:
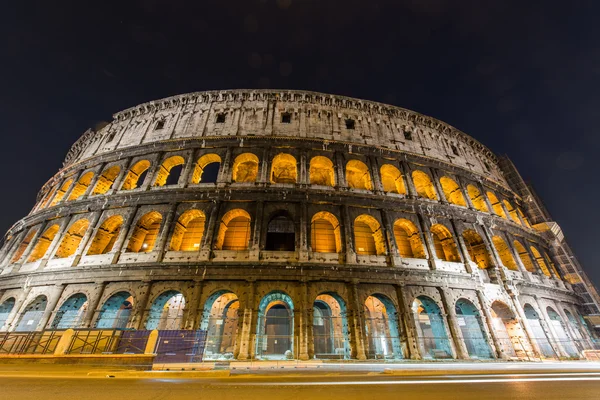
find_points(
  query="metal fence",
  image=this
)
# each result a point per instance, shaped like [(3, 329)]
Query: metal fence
[(29, 342)]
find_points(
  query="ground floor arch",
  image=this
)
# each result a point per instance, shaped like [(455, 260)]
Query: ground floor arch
[(381, 328), (275, 328), (509, 334), (538, 334), (5, 309), (472, 329), (220, 321), (71, 312), (32, 315), (166, 312), (330, 327), (563, 339), (115, 311), (432, 335)]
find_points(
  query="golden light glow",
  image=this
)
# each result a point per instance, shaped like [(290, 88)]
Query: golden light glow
[(445, 246), (201, 165), (452, 192), (368, 237), (408, 239), (523, 217), (524, 256), (325, 233), (477, 199), (540, 261), (187, 235), (81, 186), (165, 169), (423, 185), (106, 180), (61, 192), (23, 246), (132, 180), (144, 236), (106, 236), (391, 179), (357, 175), (505, 254), (321, 171), (283, 169), (43, 243), (476, 248), (245, 168), (498, 210), (234, 232), (72, 239), (549, 262), (512, 212)]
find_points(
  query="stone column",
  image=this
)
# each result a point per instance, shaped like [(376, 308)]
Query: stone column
[(438, 186), (68, 192), (184, 177), (411, 190), (153, 172), (348, 236), (392, 248), (408, 331), (208, 238), (224, 175), (93, 303), (192, 313), (517, 258), (375, 172), (255, 245), (522, 319), (141, 309), (50, 307), (495, 257), (31, 246), (424, 227), (457, 337), (341, 170), (120, 246), (16, 311), (303, 173), (247, 323), (487, 318), (465, 192), (356, 323), (161, 245), (556, 346), (303, 229), (85, 240), (462, 247), (265, 162), (485, 198), (304, 322)]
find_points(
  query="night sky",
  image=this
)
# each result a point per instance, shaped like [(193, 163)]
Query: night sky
[(522, 77)]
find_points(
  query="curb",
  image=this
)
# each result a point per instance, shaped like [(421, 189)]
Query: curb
[(160, 374)]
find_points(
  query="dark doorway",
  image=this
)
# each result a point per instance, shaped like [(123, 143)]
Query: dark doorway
[(280, 234), (278, 329)]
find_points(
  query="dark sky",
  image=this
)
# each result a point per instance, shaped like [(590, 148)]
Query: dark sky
[(523, 77)]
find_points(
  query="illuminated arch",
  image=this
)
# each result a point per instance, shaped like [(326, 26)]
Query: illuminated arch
[(106, 180), (552, 266), (512, 212), (325, 234), (540, 261), (357, 175), (43, 243), (445, 246), (477, 199), (431, 329), (496, 205), (23, 246), (220, 318), (106, 236), (368, 237), (71, 312), (60, 193), (209, 164), (391, 179), (71, 240), (136, 175), (166, 312), (505, 254), (452, 191), (524, 217), (524, 256), (115, 311), (32, 315), (408, 239), (188, 231), (381, 323), (476, 248), (145, 233), (245, 168), (283, 169), (472, 329), (5, 309), (81, 186), (234, 232), (321, 171), (169, 171), (423, 185)]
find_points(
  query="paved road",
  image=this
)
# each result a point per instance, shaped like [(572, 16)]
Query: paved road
[(330, 387)]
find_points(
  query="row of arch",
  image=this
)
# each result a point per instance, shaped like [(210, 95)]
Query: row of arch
[(381, 325), (234, 233), (284, 169)]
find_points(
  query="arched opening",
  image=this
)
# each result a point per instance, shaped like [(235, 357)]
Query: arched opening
[(5, 309), (145, 233), (540, 261), (431, 330), (321, 171), (471, 327), (445, 246), (408, 239), (275, 329), (368, 237), (136, 175), (512, 212), (383, 335), (166, 312), (452, 192), (476, 248), (245, 168), (357, 175), (508, 331), (23, 246), (234, 232), (325, 233), (477, 199), (71, 312), (391, 179), (563, 338), (281, 234), (207, 169), (43, 243), (169, 171), (496, 205), (538, 333), (552, 266), (32, 315), (524, 217), (106, 236), (72, 239), (81, 186), (60, 193), (106, 180), (423, 185), (283, 169), (524, 256), (115, 312), (330, 327), (505, 254), (575, 328), (220, 321), (188, 231)]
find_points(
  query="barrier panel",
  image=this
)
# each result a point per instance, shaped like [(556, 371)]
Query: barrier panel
[(29, 342), (181, 346)]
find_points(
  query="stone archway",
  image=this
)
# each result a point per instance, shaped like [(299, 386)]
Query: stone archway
[(220, 321), (275, 330), (71, 312), (166, 312), (433, 339), (471, 327), (381, 323), (330, 327)]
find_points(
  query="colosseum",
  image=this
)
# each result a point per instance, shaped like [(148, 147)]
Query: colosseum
[(264, 224)]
